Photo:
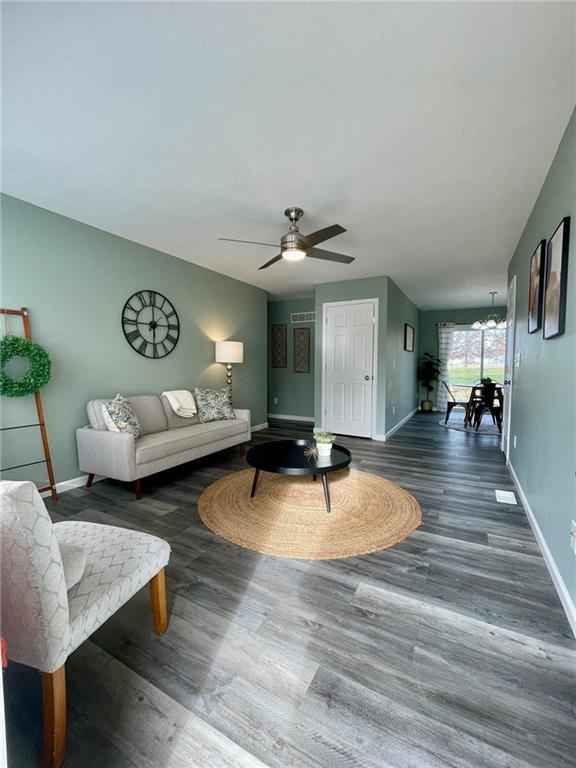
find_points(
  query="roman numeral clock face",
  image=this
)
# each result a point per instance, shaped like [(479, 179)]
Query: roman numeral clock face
[(150, 324)]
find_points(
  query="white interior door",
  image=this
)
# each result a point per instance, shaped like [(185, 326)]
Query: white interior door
[(509, 365), (348, 367)]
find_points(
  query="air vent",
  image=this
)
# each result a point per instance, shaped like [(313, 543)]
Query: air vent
[(303, 317)]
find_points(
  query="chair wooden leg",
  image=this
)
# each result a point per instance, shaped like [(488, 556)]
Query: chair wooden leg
[(449, 408), (89, 480), (138, 488), (54, 710), (158, 599), (242, 449)]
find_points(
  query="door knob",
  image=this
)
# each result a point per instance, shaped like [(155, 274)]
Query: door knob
[(366, 378)]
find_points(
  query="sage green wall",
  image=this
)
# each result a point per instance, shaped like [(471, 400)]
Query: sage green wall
[(401, 384), (294, 391), (350, 290), (428, 341), (544, 400), (75, 280)]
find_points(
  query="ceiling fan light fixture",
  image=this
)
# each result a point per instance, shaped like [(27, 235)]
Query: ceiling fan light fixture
[(293, 254)]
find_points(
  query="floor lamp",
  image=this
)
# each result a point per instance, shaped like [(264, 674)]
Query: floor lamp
[(229, 352)]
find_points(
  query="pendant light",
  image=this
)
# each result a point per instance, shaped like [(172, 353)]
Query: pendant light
[(492, 321)]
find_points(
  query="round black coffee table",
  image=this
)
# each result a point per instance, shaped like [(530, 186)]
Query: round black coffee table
[(288, 457)]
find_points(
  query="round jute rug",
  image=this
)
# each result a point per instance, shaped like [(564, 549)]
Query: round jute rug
[(288, 517)]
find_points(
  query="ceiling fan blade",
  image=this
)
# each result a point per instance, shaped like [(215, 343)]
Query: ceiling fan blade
[(249, 242), (272, 261), (315, 238), (318, 253)]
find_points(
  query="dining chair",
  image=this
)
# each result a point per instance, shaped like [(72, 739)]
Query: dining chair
[(474, 402), (490, 399), (453, 403), (60, 582)]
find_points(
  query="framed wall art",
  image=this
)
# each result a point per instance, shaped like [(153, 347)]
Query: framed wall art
[(408, 338), (536, 287), (279, 346), (556, 280), (302, 350)]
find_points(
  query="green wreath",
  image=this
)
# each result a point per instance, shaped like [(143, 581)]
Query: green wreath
[(38, 374)]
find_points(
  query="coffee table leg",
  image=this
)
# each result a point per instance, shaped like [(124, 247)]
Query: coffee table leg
[(314, 478), (326, 491), (255, 482)]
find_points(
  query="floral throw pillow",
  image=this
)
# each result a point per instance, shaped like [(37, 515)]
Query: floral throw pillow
[(213, 404), (119, 416)]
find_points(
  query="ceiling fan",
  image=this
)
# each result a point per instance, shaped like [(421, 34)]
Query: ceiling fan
[(295, 246)]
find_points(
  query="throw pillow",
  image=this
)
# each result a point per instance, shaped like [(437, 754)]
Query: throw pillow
[(119, 416), (214, 405)]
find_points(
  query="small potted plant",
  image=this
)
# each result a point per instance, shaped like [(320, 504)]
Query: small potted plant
[(324, 441), (428, 373)]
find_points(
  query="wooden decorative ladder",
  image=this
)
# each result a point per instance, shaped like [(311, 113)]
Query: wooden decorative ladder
[(25, 315)]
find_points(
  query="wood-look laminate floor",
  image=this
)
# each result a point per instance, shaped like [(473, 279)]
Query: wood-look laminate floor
[(450, 649)]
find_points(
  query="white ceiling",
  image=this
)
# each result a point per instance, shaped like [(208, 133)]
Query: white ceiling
[(425, 129)]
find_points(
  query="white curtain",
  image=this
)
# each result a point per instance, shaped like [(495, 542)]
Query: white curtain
[(445, 342)]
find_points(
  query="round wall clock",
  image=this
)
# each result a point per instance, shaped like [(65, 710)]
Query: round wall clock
[(150, 324)]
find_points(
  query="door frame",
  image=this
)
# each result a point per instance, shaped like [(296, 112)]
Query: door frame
[(325, 306), (511, 359)]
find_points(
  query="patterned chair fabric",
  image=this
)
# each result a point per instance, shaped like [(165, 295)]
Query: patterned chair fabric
[(41, 621)]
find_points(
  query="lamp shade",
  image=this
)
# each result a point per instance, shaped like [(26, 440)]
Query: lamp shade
[(229, 352)]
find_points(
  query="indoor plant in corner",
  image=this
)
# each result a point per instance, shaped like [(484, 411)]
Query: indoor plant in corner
[(428, 373), (324, 441)]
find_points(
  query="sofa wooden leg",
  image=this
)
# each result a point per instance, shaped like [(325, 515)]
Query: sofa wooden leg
[(89, 480), (158, 600), (54, 711), (242, 449), (138, 488)]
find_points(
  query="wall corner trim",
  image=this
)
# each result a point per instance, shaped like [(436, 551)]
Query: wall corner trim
[(400, 424), (288, 417), (256, 427), (561, 589)]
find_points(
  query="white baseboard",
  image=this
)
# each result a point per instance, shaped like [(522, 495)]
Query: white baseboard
[(69, 485), (379, 438), (400, 424), (287, 417), (561, 588), (256, 427)]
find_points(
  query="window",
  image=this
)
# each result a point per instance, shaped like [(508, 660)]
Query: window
[(475, 355)]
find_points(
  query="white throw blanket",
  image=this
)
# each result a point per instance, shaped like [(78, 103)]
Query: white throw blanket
[(182, 402)]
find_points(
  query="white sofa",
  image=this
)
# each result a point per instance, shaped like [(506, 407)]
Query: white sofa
[(166, 440)]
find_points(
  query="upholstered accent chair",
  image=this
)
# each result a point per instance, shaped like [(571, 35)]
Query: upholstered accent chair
[(59, 583)]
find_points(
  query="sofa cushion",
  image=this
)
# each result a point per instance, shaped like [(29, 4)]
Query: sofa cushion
[(162, 444), (175, 421), (73, 561), (149, 412)]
